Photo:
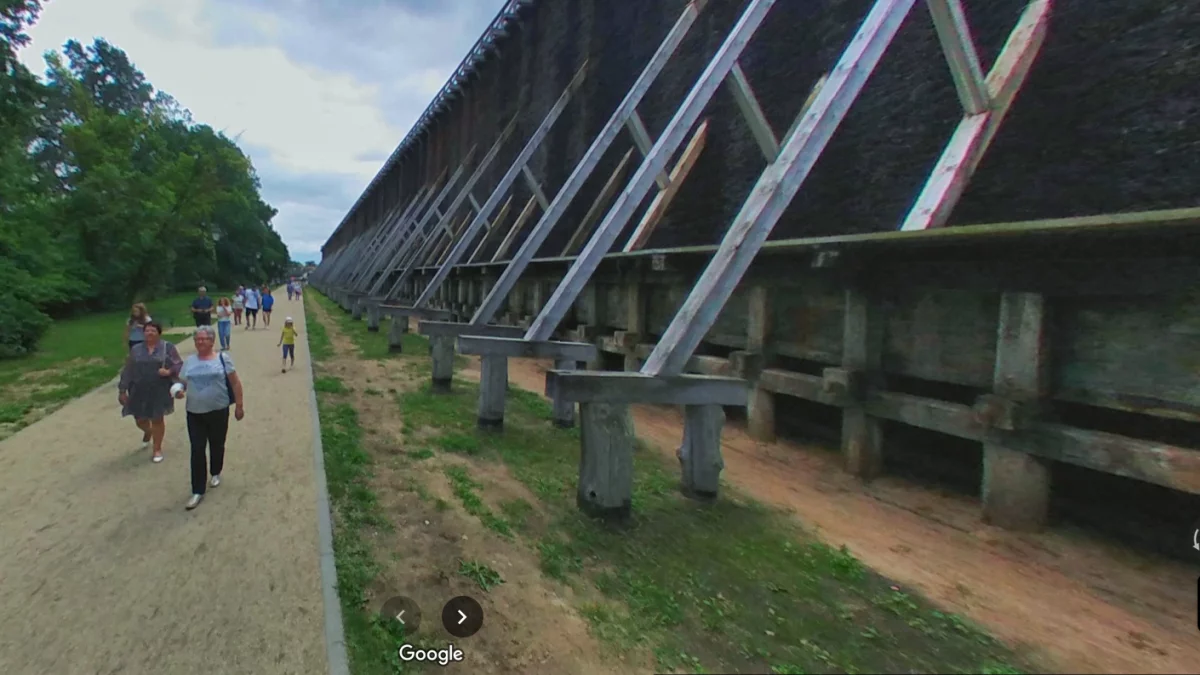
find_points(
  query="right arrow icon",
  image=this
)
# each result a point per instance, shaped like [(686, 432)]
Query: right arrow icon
[(462, 617)]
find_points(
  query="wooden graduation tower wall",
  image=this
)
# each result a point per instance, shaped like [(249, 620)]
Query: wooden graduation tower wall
[(767, 206)]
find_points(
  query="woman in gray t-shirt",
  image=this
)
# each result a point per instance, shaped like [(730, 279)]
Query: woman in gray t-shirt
[(211, 384)]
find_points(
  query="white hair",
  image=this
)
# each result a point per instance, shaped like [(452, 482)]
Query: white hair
[(212, 333)]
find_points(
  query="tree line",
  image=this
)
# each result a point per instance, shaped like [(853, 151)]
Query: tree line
[(110, 192)]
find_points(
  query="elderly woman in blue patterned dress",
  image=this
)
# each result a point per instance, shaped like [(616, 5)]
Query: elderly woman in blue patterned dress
[(145, 386)]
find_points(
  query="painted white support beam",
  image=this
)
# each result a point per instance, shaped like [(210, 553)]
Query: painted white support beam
[(950, 21)]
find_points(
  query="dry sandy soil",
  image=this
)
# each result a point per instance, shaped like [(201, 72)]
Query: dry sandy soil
[(103, 571), (1079, 605)]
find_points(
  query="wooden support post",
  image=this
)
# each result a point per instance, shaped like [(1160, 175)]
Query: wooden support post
[(372, 317), (564, 410), (635, 318), (396, 331), (862, 349), (606, 460), (700, 455), (760, 413), (441, 349), (1016, 485), (493, 383), (356, 308)]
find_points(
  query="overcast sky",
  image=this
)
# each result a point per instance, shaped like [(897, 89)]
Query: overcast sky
[(320, 91)]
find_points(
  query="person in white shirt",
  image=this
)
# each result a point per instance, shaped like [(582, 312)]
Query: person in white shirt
[(252, 302)]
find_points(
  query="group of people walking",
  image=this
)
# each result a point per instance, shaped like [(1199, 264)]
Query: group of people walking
[(155, 376)]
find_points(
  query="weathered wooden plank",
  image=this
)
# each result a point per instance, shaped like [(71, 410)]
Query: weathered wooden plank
[(662, 201), (862, 354), (419, 312), (397, 327), (563, 411), (373, 318), (517, 226), (598, 205), (1159, 463), (641, 138), (747, 102), (619, 387), (497, 226), (950, 21), (941, 335), (518, 348), (454, 329), (1135, 354)]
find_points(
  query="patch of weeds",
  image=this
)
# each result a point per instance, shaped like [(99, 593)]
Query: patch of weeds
[(464, 487), (558, 558), (371, 345), (372, 391), (458, 442), (998, 669), (328, 384), (517, 511), (485, 577), (320, 347), (441, 504), (423, 453)]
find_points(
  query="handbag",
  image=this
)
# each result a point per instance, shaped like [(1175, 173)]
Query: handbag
[(228, 387)]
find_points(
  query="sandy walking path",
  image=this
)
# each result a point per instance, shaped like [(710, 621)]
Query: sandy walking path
[(103, 571)]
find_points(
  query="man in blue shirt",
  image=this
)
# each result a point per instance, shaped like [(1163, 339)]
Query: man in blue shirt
[(202, 308)]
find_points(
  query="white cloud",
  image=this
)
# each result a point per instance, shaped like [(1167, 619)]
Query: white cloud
[(302, 82)]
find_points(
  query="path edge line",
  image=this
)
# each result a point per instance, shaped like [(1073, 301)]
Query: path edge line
[(335, 634)]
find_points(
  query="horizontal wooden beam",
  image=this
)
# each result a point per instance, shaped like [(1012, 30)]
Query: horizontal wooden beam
[(621, 387), (455, 329), (528, 349), (419, 312)]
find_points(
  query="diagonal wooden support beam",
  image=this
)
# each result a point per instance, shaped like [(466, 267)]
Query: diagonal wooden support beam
[(598, 205), (658, 207), (685, 117), (518, 166), (776, 188), (496, 227), (752, 112), (517, 226), (373, 263), (535, 187), (975, 132), (600, 145), (955, 35), (414, 227), (641, 139), (422, 248)]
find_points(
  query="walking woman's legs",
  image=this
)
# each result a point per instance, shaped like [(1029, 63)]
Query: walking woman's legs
[(217, 425), (158, 429), (198, 436), (144, 425)]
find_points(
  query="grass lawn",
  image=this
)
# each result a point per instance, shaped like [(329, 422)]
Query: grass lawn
[(75, 356), (729, 587)]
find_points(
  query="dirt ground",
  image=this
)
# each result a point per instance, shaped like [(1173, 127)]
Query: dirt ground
[(103, 571), (1078, 605), (530, 624)]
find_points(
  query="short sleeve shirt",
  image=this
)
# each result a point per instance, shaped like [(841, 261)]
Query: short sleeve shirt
[(202, 303), (267, 302), (206, 389)]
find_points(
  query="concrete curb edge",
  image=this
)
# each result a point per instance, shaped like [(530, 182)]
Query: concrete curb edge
[(335, 636)]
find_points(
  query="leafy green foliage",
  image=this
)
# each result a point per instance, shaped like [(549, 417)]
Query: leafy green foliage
[(110, 193)]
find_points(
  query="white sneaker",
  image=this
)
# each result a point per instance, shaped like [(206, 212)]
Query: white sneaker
[(194, 502), (216, 480)]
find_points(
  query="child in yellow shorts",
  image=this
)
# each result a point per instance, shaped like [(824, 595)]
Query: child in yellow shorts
[(288, 340)]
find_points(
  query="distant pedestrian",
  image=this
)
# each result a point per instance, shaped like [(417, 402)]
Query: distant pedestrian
[(288, 340), (291, 289), (211, 384), (268, 301), (135, 327), (251, 308), (202, 307), (224, 322), (239, 304), (145, 385)]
